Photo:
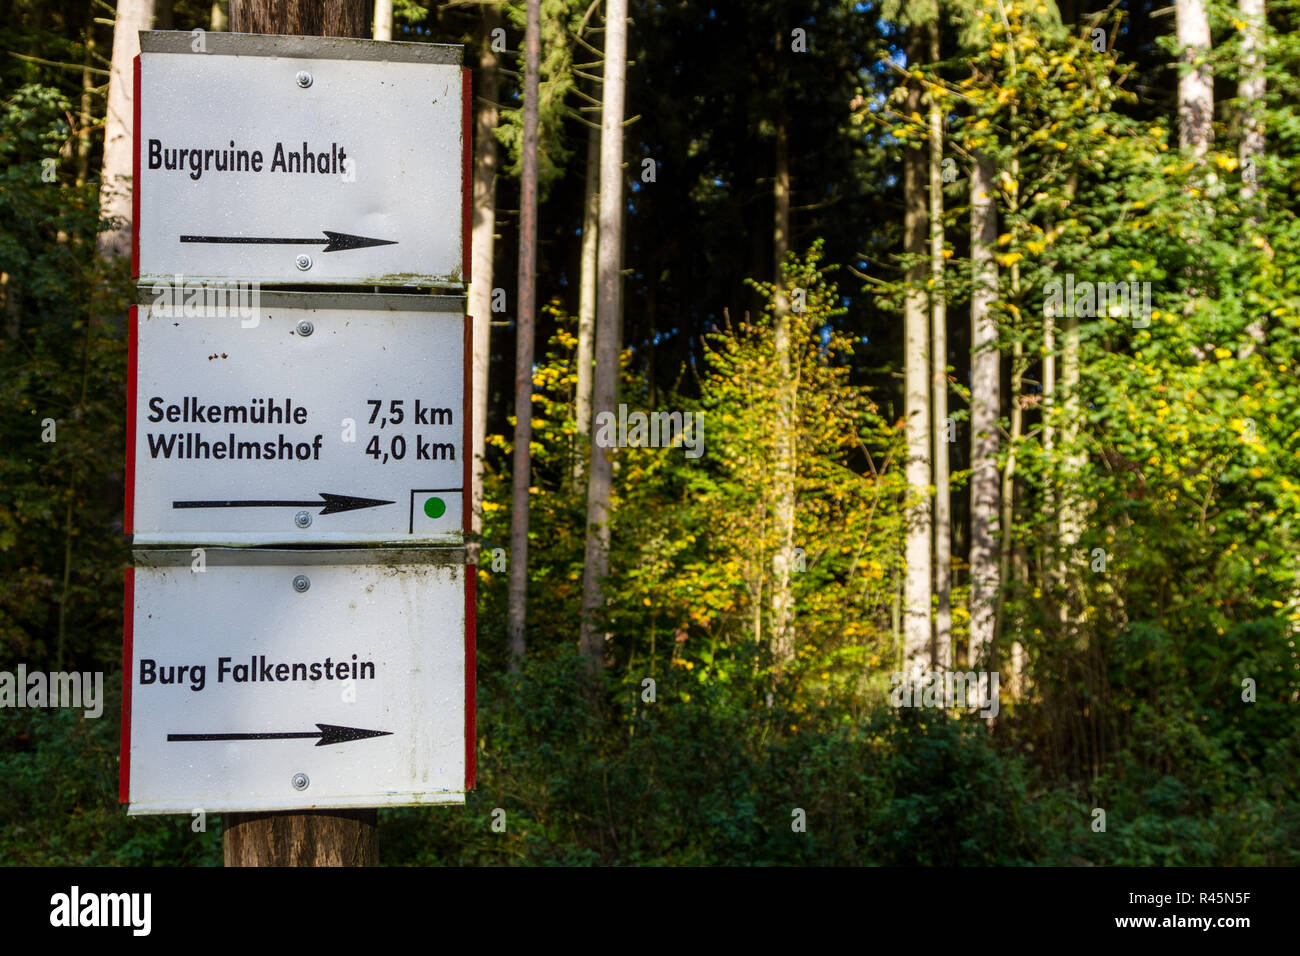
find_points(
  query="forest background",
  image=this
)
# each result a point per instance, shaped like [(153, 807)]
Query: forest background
[(846, 233)]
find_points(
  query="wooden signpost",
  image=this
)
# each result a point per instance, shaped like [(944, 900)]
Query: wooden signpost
[(299, 642)]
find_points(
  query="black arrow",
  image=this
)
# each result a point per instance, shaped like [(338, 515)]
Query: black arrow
[(328, 734), (333, 503), (334, 241)]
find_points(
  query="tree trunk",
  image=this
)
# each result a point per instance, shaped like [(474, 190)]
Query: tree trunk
[(482, 244), (985, 407), (383, 19), (219, 20), (521, 476), (916, 407), (608, 330), (782, 636), (305, 837), (1196, 88), (119, 150), (942, 654), (1250, 89), (587, 291), (1070, 507), (304, 18), (85, 115)]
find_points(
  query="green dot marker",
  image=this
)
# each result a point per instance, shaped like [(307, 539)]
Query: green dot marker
[(435, 507)]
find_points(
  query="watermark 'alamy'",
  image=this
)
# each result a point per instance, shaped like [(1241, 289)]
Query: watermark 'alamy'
[(38, 689), (75, 909), (208, 300), (947, 690), (1085, 300), (653, 430)]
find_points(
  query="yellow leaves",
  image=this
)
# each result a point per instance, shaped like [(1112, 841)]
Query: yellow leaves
[(1009, 258), (947, 253), (1238, 25), (1036, 247), (1060, 145), (1222, 353), (1004, 239), (1225, 161)]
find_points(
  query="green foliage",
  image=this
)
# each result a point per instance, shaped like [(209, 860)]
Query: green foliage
[(58, 797), (560, 21)]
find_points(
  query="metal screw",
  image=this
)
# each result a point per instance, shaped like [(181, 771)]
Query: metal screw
[(300, 781), (304, 79), (301, 583), (305, 328), (302, 519), (303, 262)]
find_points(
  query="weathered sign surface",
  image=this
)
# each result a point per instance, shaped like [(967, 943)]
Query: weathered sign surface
[(276, 680), (297, 419), (303, 160)]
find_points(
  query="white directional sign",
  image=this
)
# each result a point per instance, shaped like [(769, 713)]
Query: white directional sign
[(280, 680), (298, 419), (300, 160)]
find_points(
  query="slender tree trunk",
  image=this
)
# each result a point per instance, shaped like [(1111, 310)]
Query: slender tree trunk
[(1196, 88), (219, 21), (383, 19), (85, 115), (119, 151), (609, 318), (782, 637), (308, 837), (521, 476), (917, 633), (482, 246), (1250, 89), (942, 656), (1071, 502), (587, 292), (985, 408)]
